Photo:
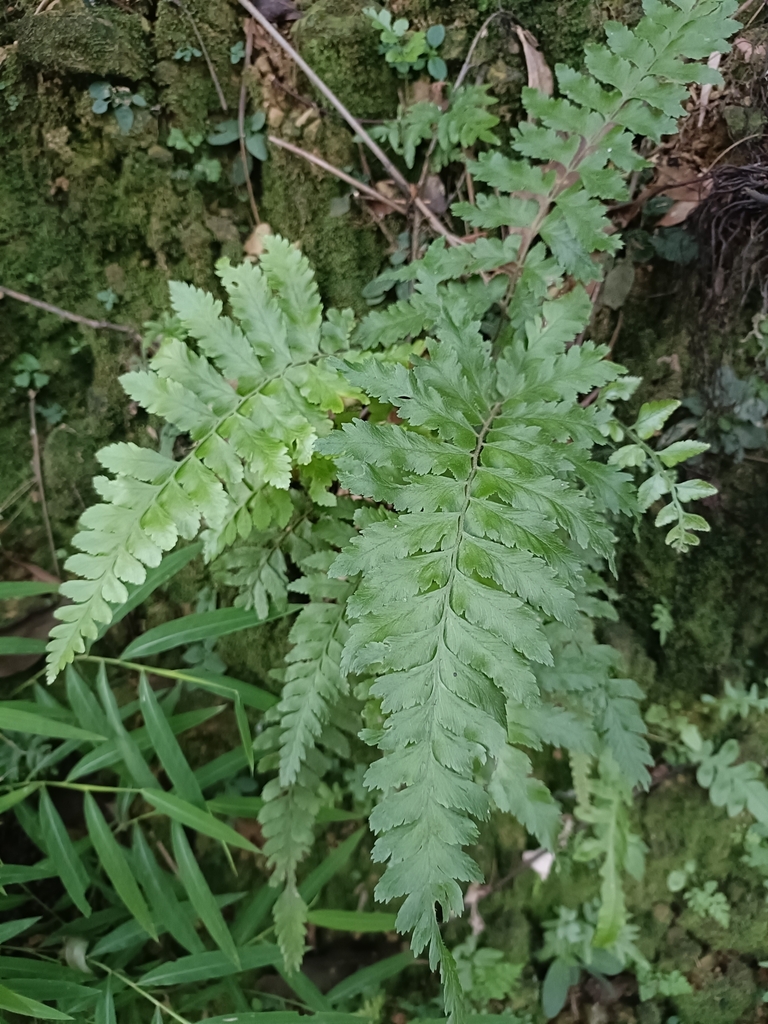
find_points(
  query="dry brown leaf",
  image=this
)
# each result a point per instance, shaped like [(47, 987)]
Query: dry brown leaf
[(679, 212), (706, 90), (539, 73), (253, 246), (749, 50)]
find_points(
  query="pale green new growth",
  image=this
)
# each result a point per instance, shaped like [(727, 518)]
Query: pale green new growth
[(313, 688), (252, 400)]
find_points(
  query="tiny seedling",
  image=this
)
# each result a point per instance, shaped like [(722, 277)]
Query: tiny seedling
[(227, 132), (409, 51), (120, 99), (662, 621), (186, 143), (27, 372), (237, 52), (187, 52), (108, 298)]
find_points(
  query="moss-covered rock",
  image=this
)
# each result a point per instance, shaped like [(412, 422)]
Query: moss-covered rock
[(94, 42), (722, 996)]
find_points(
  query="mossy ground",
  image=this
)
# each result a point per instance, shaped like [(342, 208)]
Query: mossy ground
[(84, 208)]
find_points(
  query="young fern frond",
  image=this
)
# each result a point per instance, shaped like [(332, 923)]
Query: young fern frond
[(604, 803), (253, 400), (314, 686)]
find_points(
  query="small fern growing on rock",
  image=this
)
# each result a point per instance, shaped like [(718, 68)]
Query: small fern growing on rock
[(447, 547)]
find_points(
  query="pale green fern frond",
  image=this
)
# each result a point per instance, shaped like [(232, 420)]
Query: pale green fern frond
[(612, 843), (252, 400), (314, 686)]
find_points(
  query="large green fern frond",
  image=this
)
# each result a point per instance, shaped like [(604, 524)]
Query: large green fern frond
[(455, 589), (253, 400)]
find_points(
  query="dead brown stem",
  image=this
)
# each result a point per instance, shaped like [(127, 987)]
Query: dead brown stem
[(341, 175), (37, 469), (249, 29), (401, 182), (75, 318), (206, 55)]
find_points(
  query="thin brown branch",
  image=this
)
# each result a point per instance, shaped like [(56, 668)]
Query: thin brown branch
[(401, 182), (37, 469), (249, 29), (206, 55), (397, 205), (75, 318), (470, 53)]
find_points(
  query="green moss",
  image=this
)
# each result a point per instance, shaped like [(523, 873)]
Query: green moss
[(346, 251), (678, 823), (340, 44), (723, 997), (103, 42)]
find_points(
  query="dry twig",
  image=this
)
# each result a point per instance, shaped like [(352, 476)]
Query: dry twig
[(399, 206), (401, 182), (249, 28), (75, 318), (204, 48), (37, 469)]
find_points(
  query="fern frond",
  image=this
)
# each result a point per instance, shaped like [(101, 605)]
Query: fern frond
[(314, 686), (253, 400), (612, 842), (455, 589), (585, 678)]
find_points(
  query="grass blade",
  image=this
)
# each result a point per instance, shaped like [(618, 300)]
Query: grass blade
[(105, 1007), (12, 928), (210, 966), (190, 629), (27, 1007), (16, 796), (161, 896), (21, 645), (225, 686), (200, 896), (226, 766), (252, 914), (370, 977), (84, 704), (113, 861), (333, 863), (245, 731), (26, 588), (34, 724), (167, 748), (107, 754), (352, 920), (201, 821), (130, 754), (60, 849)]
